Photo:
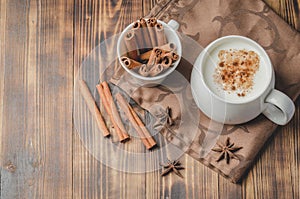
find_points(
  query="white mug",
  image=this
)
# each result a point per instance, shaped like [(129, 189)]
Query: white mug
[(172, 37), (263, 98)]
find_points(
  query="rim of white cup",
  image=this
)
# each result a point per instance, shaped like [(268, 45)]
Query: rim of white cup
[(254, 44), (160, 76)]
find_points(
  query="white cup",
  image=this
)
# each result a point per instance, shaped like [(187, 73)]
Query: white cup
[(263, 98), (172, 37)]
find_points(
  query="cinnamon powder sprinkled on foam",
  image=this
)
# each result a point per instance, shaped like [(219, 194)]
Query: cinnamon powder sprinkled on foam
[(236, 69)]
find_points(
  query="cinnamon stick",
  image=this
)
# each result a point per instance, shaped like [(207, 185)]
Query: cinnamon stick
[(114, 111), (130, 63), (166, 62), (145, 136), (89, 100), (151, 28), (131, 45), (109, 110), (160, 34), (174, 56), (152, 20), (155, 56), (136, 28), (157, 50), (145, 32), (146, 133), (156, 70), (144, 70), (168, 47), (143, 23)]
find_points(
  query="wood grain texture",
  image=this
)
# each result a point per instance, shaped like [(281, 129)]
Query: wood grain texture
[(42, 45), (199, 182), (276, 173), (36, 99), (96, 21), (289, 10)]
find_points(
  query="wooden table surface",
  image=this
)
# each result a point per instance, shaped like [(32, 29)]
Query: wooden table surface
[(42, 44)]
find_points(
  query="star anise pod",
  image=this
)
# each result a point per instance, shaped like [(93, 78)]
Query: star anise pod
[(164, 118), (174, 166), (170, 121), (227, 151)]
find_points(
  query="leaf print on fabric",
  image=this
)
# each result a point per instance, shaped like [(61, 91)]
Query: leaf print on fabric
[(236, 16)]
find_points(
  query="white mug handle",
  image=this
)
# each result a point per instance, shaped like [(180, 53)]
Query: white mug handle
[(173, 24), (280, 108)]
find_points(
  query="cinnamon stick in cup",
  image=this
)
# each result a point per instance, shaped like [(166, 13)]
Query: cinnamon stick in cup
[(152, 58), (152, 20), (112, 111), (136, 28), (166, 62), (144, 70), (161, 51), (173, 55), (168, 47), (160, 34), (143, 23), (145, 136), (151, 28), (130, 63), (89, 100), (155, 56), (131, 45), (156, 70), (145, 32)]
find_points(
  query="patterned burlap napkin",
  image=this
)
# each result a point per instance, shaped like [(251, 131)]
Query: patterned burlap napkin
[(205, 21)]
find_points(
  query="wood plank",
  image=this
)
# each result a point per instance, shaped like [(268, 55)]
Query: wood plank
[(36, 122), (2, 64), (289, 10), (96, 21), (276, 173), (200, 181)]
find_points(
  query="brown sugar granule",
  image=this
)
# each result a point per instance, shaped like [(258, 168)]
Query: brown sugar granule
[(236, 70)]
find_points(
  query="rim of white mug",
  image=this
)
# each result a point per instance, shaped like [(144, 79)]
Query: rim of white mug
[(161, 76), (205, 54)]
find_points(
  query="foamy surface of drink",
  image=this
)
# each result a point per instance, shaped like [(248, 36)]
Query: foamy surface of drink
[(260, 81)]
